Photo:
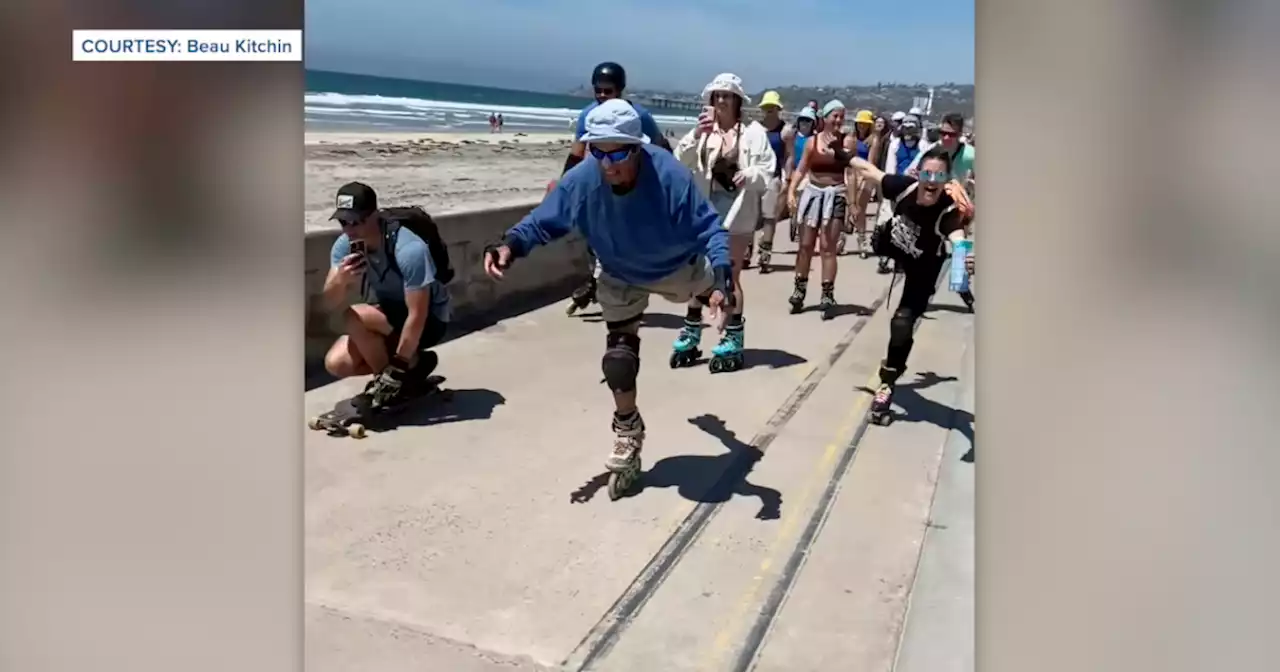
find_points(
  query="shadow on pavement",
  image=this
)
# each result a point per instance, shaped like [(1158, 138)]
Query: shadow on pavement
[(703, 478), (457, 405), (650, 320), (916, 408)]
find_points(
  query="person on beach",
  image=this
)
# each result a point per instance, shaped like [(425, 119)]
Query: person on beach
[(501, 121), (392, 335), (732, 164), (608, 82), (653, 232), (928, 210), (823, 205), (867, 144), (902, 154), (773, 204), (493, 123)]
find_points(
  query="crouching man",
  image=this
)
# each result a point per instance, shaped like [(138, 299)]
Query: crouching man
[(396, 260)]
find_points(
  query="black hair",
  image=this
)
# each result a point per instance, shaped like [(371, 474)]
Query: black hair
[(939, 153), (954, 120)]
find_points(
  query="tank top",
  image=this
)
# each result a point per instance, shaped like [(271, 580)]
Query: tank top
[(799, 150), (826, 163), (775, 141), (864, 149)]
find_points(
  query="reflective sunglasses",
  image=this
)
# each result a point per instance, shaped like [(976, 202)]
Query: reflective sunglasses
[(934, 176), (610, 158)]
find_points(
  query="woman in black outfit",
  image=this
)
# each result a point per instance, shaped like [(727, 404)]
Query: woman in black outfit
[(928, 210)]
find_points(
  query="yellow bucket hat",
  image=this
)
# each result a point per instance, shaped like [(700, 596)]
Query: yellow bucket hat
[(771, 98), (864, 117)]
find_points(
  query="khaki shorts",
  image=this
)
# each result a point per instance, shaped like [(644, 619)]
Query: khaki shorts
[(620, 301)]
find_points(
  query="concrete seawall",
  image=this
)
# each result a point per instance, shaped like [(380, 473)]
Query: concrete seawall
[(549, 273)]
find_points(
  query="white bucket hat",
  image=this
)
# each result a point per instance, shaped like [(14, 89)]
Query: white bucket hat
[(729, 82)]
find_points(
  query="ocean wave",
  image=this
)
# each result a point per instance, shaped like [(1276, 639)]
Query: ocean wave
[(329, 103)]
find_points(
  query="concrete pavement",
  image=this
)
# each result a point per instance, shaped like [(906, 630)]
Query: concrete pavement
[(774, 531)]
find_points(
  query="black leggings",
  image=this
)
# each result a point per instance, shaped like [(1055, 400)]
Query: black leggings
[(920, 280)]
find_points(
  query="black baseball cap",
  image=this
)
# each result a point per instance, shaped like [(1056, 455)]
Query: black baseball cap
[(355, 202)]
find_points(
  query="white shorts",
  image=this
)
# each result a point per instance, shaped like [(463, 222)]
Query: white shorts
[(769, 201)]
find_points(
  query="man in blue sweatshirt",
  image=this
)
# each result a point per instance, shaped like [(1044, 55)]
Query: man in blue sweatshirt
[(653, 233)]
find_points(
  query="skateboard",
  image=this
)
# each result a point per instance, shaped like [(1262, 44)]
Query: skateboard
[(351, 417)]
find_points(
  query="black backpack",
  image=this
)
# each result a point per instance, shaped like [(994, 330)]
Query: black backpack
[(420, 223)]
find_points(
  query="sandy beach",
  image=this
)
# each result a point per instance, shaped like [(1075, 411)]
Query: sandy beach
[(443, 172)]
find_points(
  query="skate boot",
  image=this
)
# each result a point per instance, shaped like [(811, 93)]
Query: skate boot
[(727, 355), (766, 254), (883, 267), (582, 297), (684, 351), (881, 412), (798, 294), (967, 297), (624, 462), (862, 245), (827, 304)]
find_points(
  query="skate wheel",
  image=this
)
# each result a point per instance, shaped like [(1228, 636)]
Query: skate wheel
[(315, 424), (573, 308), (675, 360), (356, 430), (717, 365)]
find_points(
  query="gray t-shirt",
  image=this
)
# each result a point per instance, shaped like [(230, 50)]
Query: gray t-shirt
[(416, 268)]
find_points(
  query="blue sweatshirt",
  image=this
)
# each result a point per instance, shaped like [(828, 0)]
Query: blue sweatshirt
[(662, 224)]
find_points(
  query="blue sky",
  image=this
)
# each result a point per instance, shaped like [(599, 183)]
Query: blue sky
[(553, 44)]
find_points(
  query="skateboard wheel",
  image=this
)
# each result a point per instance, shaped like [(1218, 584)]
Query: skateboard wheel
[(356, 430)]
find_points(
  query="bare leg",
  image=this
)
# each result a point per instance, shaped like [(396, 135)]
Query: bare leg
[(363, 349)]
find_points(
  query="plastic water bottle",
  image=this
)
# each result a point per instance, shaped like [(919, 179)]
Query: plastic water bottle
[(959, 276)]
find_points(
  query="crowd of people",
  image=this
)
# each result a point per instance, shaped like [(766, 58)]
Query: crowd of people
[(680, 222)]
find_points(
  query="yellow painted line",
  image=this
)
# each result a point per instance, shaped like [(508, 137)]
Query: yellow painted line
[(790, 520)]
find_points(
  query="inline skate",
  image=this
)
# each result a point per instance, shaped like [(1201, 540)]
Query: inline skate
[(624, 462), (827, 304), (798, 294)]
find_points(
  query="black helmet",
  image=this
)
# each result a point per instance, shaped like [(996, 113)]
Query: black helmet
[(611, 73)]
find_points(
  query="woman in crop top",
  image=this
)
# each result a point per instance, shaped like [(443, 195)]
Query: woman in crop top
[(823, 205)]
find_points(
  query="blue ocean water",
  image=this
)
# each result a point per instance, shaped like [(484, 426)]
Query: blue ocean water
[(343, 101)]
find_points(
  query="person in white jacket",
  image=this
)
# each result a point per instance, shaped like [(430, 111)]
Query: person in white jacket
[(732, 163)]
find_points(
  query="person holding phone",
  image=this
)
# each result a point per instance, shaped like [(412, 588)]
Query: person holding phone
[(389, 333), (653, 232), (732, 163)]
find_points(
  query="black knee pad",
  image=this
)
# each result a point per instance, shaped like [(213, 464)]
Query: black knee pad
[(901, 326), (621, 361)]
